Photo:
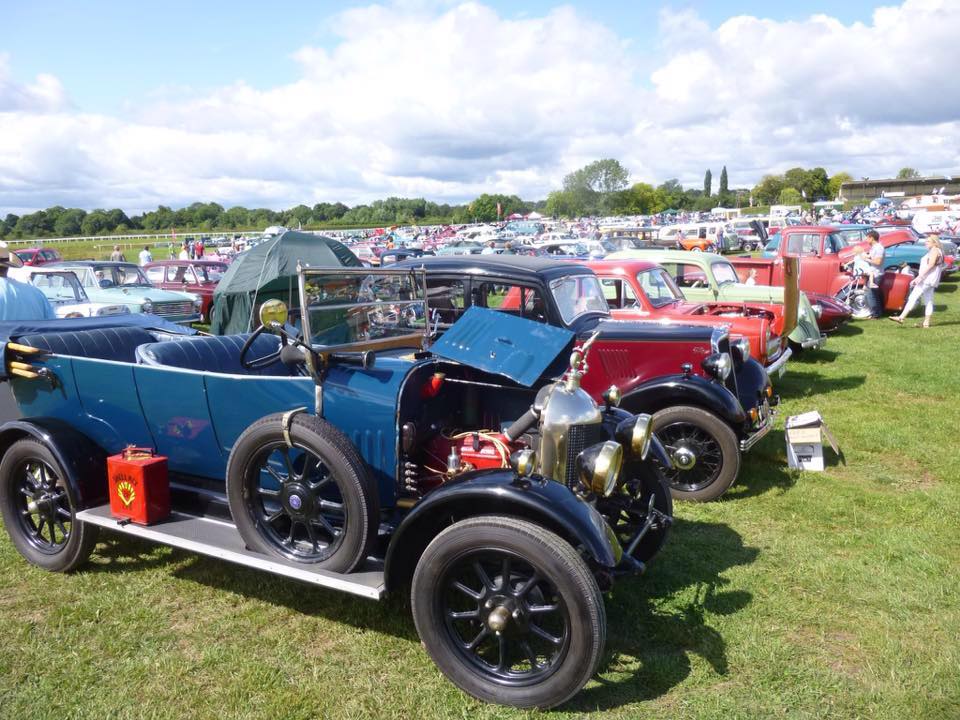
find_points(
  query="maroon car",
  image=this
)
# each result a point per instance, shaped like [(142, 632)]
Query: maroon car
[(38, 256), (199, 277)]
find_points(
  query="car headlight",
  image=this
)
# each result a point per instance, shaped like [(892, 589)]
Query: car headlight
[(598, 467), (147, 306), (197, 304), (635, 433), (719, 365), (524, 462), (741, 349)]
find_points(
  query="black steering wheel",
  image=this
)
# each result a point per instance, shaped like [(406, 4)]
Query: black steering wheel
[(265, 361)]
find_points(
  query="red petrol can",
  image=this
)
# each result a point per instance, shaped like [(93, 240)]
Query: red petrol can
[(139, 488)]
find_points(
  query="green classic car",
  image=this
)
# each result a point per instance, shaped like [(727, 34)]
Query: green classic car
[(123, 283), (709, 278)]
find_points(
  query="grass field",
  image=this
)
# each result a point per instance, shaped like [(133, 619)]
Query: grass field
[(799, 595)]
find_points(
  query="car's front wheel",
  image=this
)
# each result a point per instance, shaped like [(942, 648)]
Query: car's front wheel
[(39, 511), (704, 451), (509, 612)]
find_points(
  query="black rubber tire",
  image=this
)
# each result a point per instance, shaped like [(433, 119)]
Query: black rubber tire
[(358, 490), (555, 560), (722, 435), (82, 536)]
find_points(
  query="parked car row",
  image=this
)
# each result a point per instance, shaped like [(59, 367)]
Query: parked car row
[(501, 435)]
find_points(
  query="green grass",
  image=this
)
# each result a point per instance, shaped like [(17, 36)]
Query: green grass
[(799, 595)]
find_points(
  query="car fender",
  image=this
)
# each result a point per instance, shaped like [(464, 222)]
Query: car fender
[(84, 463), (668, 390), (499, 492), (752, 383)]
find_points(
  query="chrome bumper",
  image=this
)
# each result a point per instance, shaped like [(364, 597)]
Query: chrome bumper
[(815, 343), (777, 366), (761, 432)]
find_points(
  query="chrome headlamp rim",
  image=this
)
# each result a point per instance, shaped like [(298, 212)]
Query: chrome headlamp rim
[(719, 365), (636, 433), (598, 467), (742, 347), (147, 305)]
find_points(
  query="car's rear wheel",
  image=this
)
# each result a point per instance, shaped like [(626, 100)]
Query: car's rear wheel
[(309, 500), (39, 511), (704, 451), (509, 612)]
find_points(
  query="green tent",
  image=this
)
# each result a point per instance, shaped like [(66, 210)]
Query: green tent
[(267, 271)]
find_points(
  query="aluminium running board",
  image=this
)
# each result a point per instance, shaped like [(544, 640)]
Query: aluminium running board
[(221, 540)]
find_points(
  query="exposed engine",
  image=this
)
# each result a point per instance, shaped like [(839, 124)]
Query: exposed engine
[(561, 435)]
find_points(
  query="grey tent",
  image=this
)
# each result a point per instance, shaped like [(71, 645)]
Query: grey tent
[(269, 270)]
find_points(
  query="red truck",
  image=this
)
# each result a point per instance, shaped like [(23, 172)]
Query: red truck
[(642, 290), (825, 260)]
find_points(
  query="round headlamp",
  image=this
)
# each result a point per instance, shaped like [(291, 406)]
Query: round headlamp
[(598, 467), (147, 306), (719, 365), (524, 462), (742, 348), (635, 433)]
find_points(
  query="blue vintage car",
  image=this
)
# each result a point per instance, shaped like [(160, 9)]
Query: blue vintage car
[(355, 455)]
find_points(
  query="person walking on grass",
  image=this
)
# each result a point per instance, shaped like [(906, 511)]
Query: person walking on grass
[(874, 259), (926, 281), (116, 255)]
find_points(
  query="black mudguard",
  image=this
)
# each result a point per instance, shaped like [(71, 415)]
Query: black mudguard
[(84, 463), (499, 492), (668, 390), (752, 383)]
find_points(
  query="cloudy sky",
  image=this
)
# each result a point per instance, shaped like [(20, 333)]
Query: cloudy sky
[(131, 105)]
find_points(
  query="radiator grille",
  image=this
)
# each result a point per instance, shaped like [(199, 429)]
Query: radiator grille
[(578, 438), (173, 309)]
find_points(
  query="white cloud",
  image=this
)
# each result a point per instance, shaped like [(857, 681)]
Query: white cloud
[(447, 101)]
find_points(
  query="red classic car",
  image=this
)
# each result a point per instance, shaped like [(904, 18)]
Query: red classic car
[(642, 290), (825, 262), (39, 256), (199, 277)]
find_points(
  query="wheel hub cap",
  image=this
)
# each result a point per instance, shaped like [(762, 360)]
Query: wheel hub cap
[(498, 618), (298, 500), (684, 458)]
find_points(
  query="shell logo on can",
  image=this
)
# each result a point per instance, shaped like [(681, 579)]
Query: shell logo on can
[(126, 492)]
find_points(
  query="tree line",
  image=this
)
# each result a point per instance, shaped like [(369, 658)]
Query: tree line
[(600, 188)]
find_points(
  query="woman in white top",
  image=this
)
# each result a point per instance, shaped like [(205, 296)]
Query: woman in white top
[(926, 281)]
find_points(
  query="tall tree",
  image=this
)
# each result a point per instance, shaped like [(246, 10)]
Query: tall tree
[(836, 183), (907, 173), (707, 182), (724, 187), (593, 185)]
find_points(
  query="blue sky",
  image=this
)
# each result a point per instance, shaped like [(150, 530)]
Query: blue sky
[(131, 105), (110, 54)]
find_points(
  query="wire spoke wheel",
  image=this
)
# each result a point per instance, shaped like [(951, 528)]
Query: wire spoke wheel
[(697, 456), (296, 501)]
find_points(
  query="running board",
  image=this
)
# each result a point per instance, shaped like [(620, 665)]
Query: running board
[(221, 540)]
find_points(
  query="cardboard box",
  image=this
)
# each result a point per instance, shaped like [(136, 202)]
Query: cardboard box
[(804, 435)]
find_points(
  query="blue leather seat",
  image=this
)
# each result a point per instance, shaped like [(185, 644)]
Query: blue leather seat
[(218, 354), (119, 343)]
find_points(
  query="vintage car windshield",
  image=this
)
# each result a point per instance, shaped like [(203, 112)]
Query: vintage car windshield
[(724, 273), (59, 286), (659, 287), (362, 307), (578, 295)]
